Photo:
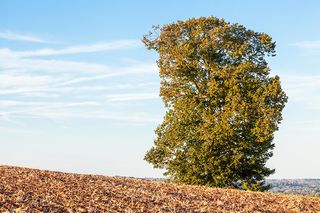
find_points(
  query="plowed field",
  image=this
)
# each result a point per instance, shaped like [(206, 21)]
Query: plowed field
[(31, 190)]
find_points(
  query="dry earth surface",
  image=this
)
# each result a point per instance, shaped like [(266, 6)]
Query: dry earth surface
[(32, 190)]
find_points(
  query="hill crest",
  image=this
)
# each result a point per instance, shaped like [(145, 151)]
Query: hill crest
[(26, 189)]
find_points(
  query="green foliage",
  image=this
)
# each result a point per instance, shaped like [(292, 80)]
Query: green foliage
[(222, 106)]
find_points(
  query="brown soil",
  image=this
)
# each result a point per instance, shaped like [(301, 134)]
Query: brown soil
[(31, 190)]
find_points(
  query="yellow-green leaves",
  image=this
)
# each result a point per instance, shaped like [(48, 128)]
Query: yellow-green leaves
[(223, 107)]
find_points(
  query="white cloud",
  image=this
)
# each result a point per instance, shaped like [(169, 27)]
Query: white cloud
[(53, 85), (63, 66), (54, 88), (15, 130), (136, 117), (43, 105), (140, 69), (7, 80), (132, 97), (73, 110), (21, 37), (59, 90), (30, 65), (308, 44), (303, 89), (90, 48), (8, 103), (48, 88)]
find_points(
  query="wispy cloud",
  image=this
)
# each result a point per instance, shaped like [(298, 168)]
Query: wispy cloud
[(303, 89), (132, 97), (90, 48), (140, 69), (21, 37), (12, 80), (15, 130), (76, 110), (59, 90), (33, 87), (307, 44), (44, 105), (132, 117), (51, 65), (52, 86)]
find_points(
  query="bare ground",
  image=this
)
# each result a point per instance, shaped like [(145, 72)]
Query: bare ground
[(31, 190)]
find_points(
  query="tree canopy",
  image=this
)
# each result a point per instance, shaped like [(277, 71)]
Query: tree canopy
[(223, 106)]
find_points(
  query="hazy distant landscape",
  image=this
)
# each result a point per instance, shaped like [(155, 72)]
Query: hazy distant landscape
[(295, 186), (285, 186)]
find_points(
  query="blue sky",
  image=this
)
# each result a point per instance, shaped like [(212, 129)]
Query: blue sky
[(79, 91)]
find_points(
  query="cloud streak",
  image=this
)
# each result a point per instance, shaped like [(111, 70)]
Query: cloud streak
[(74, 110), (21, 37), (51, 65), (90, 48), (303, 89), (133, 97), (308, 44), (34, 87)]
